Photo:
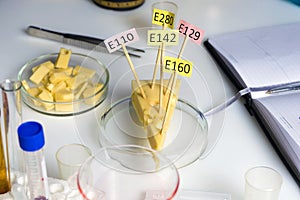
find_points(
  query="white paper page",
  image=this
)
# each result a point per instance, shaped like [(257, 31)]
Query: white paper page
[(265, 56), (286, 110)]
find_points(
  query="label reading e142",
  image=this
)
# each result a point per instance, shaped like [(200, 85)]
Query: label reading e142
[(168, 37), (182, 67)]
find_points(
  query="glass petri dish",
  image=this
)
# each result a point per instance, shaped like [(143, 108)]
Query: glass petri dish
[(79, 105), (186, 138)]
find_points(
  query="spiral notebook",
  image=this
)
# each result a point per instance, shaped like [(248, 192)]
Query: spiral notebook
[(267, 60)]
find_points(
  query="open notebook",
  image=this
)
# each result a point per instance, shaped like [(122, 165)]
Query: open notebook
[(267, 60)]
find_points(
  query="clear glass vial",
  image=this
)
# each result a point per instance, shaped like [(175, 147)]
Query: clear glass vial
[(31, 139)]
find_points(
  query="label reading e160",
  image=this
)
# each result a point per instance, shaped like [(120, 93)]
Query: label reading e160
[(115, 42), (163, 18), (182, 67), (168, 37)]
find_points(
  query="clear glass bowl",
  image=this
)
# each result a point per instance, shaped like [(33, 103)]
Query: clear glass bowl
[(186, 137), (127, 172), (75, 106)]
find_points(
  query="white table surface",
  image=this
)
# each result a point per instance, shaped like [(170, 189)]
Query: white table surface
[(242, 144)]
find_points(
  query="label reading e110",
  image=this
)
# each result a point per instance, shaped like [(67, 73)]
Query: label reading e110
[(163, 18), (115, 42), (191, 31), (168, 37), (182, 67)]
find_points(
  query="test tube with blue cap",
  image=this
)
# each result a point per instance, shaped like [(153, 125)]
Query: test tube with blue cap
[(31, 139)]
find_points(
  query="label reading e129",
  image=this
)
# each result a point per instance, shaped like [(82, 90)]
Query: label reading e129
[(168, 37), (191, 31), (182, 67), (163, 17), (115, 42)]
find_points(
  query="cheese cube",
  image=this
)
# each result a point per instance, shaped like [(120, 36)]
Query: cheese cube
[(25, 85), (68, 71), (90, 94), (65, 107), (76, 81), (57, 77), (34, 68), (34, 91), (80, 90), (49, 86), (59, 86), (48, 64), (89, 73), (63, 58), (64, 95), (64, 99), (39, 74), (45, 95)]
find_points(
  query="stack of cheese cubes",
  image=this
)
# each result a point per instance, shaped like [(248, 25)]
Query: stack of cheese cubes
[(59, 85), (147, 109)]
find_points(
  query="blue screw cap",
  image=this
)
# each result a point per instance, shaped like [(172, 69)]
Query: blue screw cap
[(31, 136)]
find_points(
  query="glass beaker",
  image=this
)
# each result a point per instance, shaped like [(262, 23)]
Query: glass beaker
[(127, 172)]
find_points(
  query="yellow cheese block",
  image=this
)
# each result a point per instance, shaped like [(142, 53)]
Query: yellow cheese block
[(40, 73), (25, 85), (63, 58), (57, 77), (89, 73), (64, 96), (34, 91), (68, 71), (49, 86), (90, 92), (81, 90), (59, 86), (148, 110), (45, 95), (74, 82)]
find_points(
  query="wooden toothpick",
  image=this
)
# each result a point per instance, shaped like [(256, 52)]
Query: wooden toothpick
[(161, 90), (179, 56), (173, 80), (156, 66), (133, 70)]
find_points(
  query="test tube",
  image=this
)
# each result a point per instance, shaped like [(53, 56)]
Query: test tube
[(4, 171), (11, 117), (32, 141)]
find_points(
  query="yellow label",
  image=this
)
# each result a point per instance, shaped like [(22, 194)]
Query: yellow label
[(163, 17), (168, 37), (182, 67)]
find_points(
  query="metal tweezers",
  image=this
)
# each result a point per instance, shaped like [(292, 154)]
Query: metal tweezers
[(81, 41)]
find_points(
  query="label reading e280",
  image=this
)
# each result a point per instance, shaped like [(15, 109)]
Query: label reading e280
[(191, 31), (163, 17), (115, 42), (182, 67), (168, 37)]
